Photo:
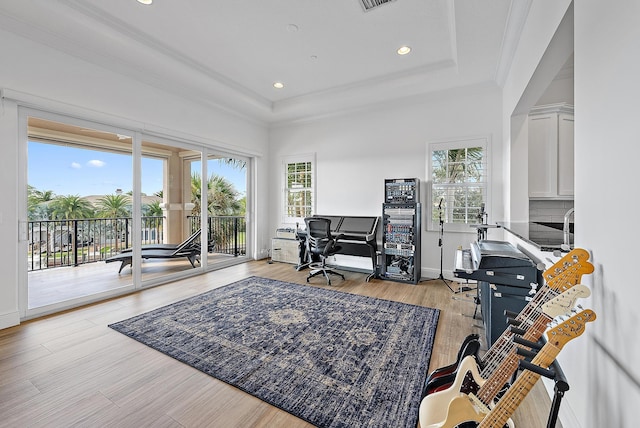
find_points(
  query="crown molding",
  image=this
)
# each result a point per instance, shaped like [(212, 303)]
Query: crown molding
[(518, 12), (552, 108)]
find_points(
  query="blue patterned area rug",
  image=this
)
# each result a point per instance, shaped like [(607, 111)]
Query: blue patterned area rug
[(331, 358)]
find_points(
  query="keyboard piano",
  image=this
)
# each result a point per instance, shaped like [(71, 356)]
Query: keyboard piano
[(496, 262), (358, 239), (507, 280)]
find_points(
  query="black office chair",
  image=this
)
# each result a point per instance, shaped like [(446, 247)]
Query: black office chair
[(321, 244)]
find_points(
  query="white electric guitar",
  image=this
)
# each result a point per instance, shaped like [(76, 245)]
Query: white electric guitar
[(466, 410), (560, 277), (469, 380)]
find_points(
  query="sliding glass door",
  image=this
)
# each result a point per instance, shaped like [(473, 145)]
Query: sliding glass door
[(79, 181), (111, 210), (226, 207), (171, 240)]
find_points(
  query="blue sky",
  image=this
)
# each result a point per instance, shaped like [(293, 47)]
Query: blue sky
[(74, 171)]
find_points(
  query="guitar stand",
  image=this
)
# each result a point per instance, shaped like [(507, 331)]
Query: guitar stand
[(441, 277), (554, 372)]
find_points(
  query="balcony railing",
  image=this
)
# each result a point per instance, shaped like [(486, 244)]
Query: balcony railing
[(55, 243), (228, 233)]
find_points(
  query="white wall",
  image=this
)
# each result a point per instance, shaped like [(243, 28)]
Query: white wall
[(9, 314), (64, 84), (603, 369), (356, 152), (600, 365), (560, 90)]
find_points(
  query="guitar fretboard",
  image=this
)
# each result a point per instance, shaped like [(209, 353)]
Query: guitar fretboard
[(499, 415), (501, 361)]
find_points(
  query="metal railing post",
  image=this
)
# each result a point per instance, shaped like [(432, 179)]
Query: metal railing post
[(235, 236), (75, 242), (126, 233)]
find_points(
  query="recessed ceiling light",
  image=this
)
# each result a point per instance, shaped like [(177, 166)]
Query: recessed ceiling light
[(403, 50), (145, 1), (278, 85)]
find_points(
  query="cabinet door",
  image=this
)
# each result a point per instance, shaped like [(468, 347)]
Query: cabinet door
[(285, 250), (543, 156), (565, 155)]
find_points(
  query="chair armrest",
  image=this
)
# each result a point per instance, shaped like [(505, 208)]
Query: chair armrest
[(331, 243)]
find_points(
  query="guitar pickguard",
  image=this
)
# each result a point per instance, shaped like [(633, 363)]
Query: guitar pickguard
[(469, 384), (442, 378), (433, 407)]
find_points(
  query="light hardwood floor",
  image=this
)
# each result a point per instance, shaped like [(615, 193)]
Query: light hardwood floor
[(70, 369)]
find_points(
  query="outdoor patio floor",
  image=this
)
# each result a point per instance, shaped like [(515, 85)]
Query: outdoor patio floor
[(55, 285)]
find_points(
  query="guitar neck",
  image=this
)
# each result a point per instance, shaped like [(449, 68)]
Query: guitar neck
[(507, 405), (567, 274), (502, 361), (556, 338), (527, 318), (502, 372)]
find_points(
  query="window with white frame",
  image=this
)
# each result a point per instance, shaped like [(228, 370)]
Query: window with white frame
[(299, 188), (458, 174)]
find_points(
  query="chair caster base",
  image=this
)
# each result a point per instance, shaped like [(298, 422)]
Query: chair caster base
[(326, 272)]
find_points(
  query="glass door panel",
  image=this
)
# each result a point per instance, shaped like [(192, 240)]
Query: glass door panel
[(79, 212), (226, 208), (170, 239)]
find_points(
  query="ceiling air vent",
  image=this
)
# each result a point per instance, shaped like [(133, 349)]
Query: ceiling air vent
[(372, 4)]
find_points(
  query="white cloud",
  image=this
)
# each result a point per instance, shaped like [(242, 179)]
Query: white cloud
[(75, 165), (96, 163)]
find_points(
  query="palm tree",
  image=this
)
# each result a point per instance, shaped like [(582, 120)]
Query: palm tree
[(452, 168), (222, 201), (236, 163), (243, 205), (196, 192), (38, 203), (152, 218), (222, 196), (70, 208), (114, 206), (152, 210)]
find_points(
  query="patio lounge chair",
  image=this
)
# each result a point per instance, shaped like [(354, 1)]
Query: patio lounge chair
[(190, 240), (189, 249)]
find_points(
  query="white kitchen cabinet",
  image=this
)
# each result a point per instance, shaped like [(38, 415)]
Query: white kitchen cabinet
[(565, 154), (551, 164)]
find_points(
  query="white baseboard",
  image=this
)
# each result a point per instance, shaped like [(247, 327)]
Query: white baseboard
[(9, 319), (429, 273)]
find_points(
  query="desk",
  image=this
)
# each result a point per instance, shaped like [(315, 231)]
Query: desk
[(358, 239)]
